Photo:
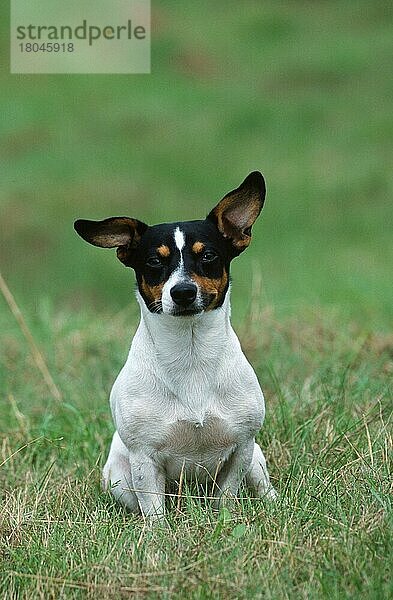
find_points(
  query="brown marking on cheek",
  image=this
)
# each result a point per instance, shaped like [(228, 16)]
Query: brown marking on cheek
[(198, 247), (215, 287), (153, 293), (163, 251)]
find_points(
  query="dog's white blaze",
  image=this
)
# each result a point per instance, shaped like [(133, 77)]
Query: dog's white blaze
[(176, 277), (179, 239)]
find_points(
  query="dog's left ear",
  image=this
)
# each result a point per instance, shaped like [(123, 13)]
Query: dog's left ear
[(237, 212)]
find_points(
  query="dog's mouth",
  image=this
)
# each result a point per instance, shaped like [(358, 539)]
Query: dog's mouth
[(203, 304), (176, 311), (196, 308), (186, 312)]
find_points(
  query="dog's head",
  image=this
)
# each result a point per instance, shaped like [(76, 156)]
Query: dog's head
[(183, 268)]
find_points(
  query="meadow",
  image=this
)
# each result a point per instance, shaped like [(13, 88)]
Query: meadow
[(303, 92)]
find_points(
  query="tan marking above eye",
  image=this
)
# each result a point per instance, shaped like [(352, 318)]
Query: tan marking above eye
[(215, 287), (153, 293), (163, 251), (198, 247)]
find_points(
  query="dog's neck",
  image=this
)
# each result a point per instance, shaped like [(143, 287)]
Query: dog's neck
[(167, 330), (183, 346)]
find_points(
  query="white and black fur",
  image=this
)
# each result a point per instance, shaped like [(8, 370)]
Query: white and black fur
[(187, 403)]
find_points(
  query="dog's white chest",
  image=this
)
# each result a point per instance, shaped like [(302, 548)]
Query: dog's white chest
[(189, 437), (195, 445)]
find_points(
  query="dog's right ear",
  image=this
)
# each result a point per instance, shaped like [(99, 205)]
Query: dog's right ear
[(122, 233)]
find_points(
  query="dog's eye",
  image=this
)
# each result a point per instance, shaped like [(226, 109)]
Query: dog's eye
[(209, 256), (153, 262)]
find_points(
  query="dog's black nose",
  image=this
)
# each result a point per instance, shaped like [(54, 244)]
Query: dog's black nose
[(184, 294)]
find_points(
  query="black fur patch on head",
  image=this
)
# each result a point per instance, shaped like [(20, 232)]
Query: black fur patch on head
[(212, 263)]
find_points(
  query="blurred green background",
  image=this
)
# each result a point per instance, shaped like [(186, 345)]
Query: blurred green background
[(300, 90)]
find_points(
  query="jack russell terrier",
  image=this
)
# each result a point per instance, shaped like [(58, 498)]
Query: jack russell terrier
[(187, 402)]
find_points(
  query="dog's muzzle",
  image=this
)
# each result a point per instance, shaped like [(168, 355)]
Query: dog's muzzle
[(184, 295)]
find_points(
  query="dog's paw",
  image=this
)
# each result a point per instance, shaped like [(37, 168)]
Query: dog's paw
[(225, 501), (268, 493)]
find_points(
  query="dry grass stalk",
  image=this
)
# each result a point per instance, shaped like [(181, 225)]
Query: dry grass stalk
[(35, 351)]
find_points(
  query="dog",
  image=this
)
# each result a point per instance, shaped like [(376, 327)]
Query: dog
[(187, 403)]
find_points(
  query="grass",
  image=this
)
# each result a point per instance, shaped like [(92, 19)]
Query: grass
[(303, 92), (328, 439)]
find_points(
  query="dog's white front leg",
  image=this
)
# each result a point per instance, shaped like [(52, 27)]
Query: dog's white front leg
[(233, 472), (258, 477), (148, 481)]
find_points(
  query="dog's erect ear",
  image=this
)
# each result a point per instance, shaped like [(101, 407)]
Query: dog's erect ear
[(236, 213), (122, 233)]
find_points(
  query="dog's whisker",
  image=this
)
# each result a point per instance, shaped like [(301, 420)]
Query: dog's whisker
[(155, 306)]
